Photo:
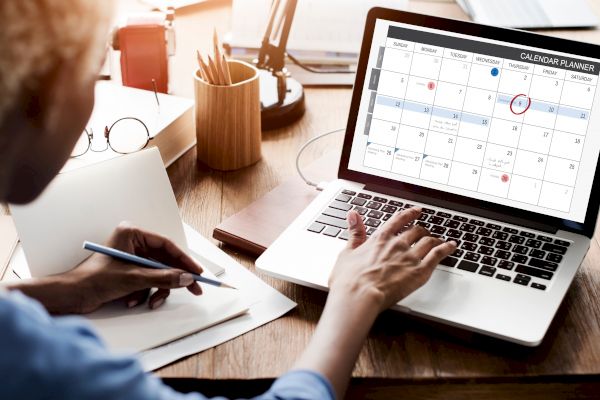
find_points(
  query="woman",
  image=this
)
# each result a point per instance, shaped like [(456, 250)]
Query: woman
[(51, 50)]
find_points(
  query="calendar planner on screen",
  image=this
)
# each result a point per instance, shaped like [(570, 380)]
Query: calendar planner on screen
[(480, 118)]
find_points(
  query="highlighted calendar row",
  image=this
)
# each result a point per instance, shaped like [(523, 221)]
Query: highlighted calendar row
[(518, 109), (551, 193)]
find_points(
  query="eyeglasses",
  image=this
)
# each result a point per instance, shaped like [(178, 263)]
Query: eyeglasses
[(124, 136)]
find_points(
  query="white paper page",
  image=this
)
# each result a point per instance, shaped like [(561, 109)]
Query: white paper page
[(88, 204), (329, 26), (267, 305), (140, 328)]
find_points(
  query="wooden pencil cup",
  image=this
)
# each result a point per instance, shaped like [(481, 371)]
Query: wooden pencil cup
[(228, 127)]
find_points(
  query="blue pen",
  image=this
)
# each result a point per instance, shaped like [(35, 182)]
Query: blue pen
[(144, 262)]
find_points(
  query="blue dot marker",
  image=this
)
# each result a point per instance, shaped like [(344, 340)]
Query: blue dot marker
[(494, 72)]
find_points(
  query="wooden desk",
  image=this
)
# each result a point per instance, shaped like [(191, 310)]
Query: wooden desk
[(403, 357)]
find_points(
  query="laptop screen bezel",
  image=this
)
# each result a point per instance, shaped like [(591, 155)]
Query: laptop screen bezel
[(462, 202)]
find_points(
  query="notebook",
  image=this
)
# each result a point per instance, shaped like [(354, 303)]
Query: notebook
[(87, 204)]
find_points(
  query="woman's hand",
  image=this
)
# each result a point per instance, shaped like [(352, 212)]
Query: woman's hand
[(390, 265), (101, 279), (370, 275)]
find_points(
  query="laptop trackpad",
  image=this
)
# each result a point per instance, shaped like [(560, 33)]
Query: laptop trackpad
[(445, 292)]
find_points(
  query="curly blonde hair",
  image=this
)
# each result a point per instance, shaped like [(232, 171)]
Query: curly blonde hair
[(37, 36)]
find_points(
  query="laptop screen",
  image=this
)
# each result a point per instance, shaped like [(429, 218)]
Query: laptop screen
[(487, 119)]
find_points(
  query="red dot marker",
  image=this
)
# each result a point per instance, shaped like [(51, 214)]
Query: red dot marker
[(504, 178), (431, 86)]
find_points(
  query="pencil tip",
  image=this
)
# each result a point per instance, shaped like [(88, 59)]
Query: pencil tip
[(228, 286)]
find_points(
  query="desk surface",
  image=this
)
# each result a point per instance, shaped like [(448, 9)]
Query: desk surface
[(405, 349)]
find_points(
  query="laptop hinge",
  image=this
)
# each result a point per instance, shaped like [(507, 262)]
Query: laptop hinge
[(481, 212)]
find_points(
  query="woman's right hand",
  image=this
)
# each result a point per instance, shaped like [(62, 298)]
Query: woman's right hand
[(388, 266)]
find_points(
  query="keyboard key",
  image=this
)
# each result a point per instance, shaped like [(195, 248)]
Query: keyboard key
[(408, 205), (425, 225), (371, 231), (372, 222), (503, 277), (544, 238), (423, 217), (500, 235), (520, 249), (553, 248), (510, 230), (453, 233), (527, 234), (386, 217), (519, 258), (537, 254), (389, 209), (428, 210), (469, 246), (493, 226), (379, 199), (449, 262), (327, 220), (489, 261), (516, 239), (458, 253), (375, 214), (554, 257), (436, 220), (331, 231), (316, 227), (439, 230), (521, 281), (451, 224), (484, 231), (443, 214), (472, 256), (460, 218), (361, 210), (533, 243), (364, 196), (488, 251), (349, 192), (468, 228), (477, 222), (395, 203), (486, 241), (487, 271), (470, 237), (538, 273), (345, 235), (562, 242), (373, 205), (358, 202), (468, 266), (503, 245), (505, 255), (538, 286), (506, 265), (343, 198), (340, 206), (332, 212), (543, 264)]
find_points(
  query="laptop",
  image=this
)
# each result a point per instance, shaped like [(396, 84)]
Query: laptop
[(496, 134)]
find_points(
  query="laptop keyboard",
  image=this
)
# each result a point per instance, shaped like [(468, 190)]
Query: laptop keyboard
[(490, 249)]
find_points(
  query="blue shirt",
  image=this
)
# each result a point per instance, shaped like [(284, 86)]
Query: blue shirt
[(45, 357)]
